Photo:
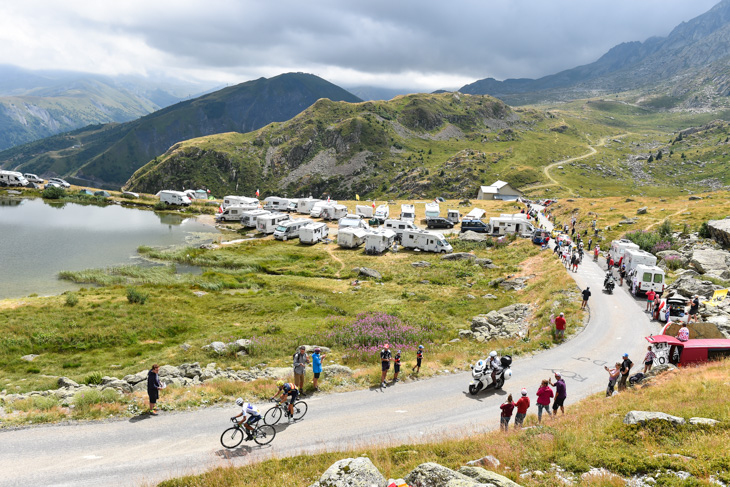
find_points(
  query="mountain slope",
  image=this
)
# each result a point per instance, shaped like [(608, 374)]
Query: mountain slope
[(108, 155)]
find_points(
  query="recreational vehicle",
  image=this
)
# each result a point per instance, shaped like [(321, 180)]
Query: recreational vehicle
[(313, 233), (334, 212), (316, 211), (12, 178), (248, 218), (378, 241), (453, 216), (399, 226), (408, 213), (350, 238), (174, 198), (634, 257), (646, 277), (503, 225), (274, 203), (352, 221), (198, 194), (364, 211), (305, 205), (425, 241), (242, 201), (267, 223), (290, 229), (432, 209), (618, 247), (231, 214), (475, 214), (382, 213), (292, 206)]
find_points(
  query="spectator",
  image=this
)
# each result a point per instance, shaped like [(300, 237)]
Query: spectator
[(622, 274), (544, 393), (396, 366), (419, 359), (301, 359), (560, 326), (683, 334), (649, 359), (590, 242), (385, 359), (560, 393), (625, 369), (650, 300), (613, 377), (317, 366), (522, 404), (694, 308), (153, 388), (586, 294), (507, 407)]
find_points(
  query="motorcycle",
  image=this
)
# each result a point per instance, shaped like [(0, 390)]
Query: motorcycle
[(609, 284), (482, 375)]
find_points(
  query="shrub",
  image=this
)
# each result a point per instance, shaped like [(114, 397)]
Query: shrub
[(53, 193), (93, 378), (72, 299), (704, 231), (160, 205), (82, 400), (135, 296), (673, 262), (665, 228)]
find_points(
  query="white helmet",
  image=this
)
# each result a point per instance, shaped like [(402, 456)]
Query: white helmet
[(239, 402), (492, 353)]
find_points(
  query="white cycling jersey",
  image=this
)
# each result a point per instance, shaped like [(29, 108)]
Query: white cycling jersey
[(249, 409)]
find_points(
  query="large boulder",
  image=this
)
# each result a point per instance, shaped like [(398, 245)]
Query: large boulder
[(240, 345), (486, 477), (434, 475), (352, 472), (217, 347), (191, 370), (470, 236), (688, 286), (703, 421), (169, 371), (720, 231), (712, 261), (133, 379), (367, 272), (336, 369), (66, 382), (119, 385), (642, 210), (459, 256), (641, 417), (515, 284)]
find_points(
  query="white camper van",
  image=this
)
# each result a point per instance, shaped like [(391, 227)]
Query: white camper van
[(12, 178), (350, 238), (274, 203), (618, 247), (267, 223), (453, 216), (231, 214), (475, 214), (364, 211), (432, 210), (248, 218), (408, 213), (316, 211), (503, 225), (399, 226), (378, 241), (242, 201), (292, 207), (334, 212), (382, 213), (313, 233), (425, 241), (634, 257), (305, 205), (646, 277), (290, 229), (174, 198), (352, 221)]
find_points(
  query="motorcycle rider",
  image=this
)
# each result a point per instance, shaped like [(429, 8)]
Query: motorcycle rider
[(494, 364), (608, 281)]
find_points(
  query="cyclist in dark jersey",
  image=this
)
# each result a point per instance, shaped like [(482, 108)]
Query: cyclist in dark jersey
[(287, 390), (419, 358), (385, 359), (396, 366)]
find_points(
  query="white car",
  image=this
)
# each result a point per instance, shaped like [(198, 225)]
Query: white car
[(58, 182), (33, 178)]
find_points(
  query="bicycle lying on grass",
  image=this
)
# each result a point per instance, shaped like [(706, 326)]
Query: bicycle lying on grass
[(233, 436), (274, 415)]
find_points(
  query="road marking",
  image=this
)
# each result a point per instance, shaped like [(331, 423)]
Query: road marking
[(400, 411), (91, 457)]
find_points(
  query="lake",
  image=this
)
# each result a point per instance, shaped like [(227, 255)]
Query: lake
[(39, 239)]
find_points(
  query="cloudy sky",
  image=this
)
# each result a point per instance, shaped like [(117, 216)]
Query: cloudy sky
[(420, 44)]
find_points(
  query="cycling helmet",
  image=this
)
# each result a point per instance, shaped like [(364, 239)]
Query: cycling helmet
[(420, 347), (280, 383), (239, 402), (492, 353)]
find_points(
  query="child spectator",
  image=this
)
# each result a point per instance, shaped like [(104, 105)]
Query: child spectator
[(507, 407), (522, 404)]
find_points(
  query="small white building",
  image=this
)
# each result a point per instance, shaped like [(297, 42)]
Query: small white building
[(500, 190)]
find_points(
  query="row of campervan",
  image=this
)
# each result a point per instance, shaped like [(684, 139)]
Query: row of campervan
[(642, 272)]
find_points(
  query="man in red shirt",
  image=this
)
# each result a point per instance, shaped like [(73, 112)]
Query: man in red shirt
[(522, 404), (650, 299), (560, 326)]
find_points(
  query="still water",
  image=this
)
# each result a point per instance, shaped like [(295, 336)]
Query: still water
[(38, 240)]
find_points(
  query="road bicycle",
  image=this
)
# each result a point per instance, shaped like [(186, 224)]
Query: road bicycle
[(233, 436), (274, 415)]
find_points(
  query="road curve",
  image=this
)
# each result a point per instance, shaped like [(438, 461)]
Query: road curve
[(130, 452)]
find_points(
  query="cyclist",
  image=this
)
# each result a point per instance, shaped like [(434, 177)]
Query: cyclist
[(287, 390), (249, 416)]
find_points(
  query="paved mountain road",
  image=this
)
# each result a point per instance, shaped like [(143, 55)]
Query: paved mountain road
[(124, 452)]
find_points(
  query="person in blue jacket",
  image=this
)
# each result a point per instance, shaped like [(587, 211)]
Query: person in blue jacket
[(316, 366)]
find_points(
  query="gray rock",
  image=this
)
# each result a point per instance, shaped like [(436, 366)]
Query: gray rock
[(459, 256), (135, 378), (515, 284), (191, 370), (470, 236), (29, 358), (641, 417), (353, 472), (421, 263), (642, 210), (703, 421), (720, 231), (169, 371), (489, 460), (466, 334), (367, 272), (310, 348), (489, 296), (119, 385), (240, 345), (695, 198), (496, 282), (470, 296), (66, 382), (659, 369), (688, 286), (336, 369), (140, 386), (186, 346), (434, 475), (710, 261), (217, 347), (486, 477)]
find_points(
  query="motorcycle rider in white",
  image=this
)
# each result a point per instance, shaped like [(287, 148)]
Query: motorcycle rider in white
[(494, 364)]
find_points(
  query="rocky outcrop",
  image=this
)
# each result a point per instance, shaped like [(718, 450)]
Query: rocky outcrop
[(712, 262), (720, 231), (515, 283), (470, 236), (367, 272), (642, 210), (509, 321), (641, 417), (352, 472), (434, 475), (484, 476), (459, 256), (688, 286)]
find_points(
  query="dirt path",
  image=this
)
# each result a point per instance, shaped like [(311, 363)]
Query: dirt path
[(669, 216), (337, 259)]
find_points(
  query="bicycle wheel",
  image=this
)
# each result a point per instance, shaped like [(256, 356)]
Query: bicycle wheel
[(273, 415), (264, 434), (232, 437), (300, 409)]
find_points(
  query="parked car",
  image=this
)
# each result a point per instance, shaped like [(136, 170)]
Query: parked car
[(475, 226), (53, 184), (439, 222), (58, 183), (103, 193), (33, 178)]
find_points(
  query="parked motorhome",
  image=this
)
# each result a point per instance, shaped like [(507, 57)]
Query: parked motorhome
[(248, 218), (292, 207), (334, 212), (453, 216), (290, 229), (364, 211), (274, 203), (242, 201), (313, 233), (305, 205), (198, 194), (378, 241), (503, 225), (408, 213), (350, 238), (382, 213), (352, 221), (634, 257), (618, 247), (232, 214), (432, 209), (646, 277), (12, 178), (475, 214), (425, 241), (316, 211), (174, 198), (399, 226), (267, 223)]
